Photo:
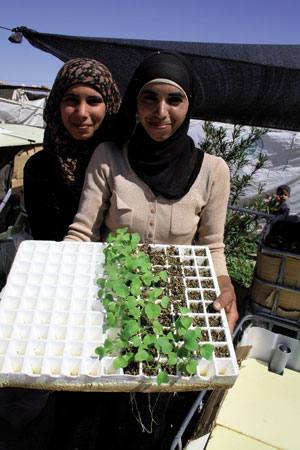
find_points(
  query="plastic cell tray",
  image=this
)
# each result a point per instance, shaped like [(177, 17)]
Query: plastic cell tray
[(51, 321)]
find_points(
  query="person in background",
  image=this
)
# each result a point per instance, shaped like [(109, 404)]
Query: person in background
[(283, 193), (160, 186), (78, 114)]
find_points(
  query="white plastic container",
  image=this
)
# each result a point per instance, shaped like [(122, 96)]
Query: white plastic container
[(51, 321)]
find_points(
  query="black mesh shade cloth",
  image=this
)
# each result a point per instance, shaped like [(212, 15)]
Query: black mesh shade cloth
[(247, 84)]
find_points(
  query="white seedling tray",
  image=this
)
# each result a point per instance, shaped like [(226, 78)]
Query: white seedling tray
[(51, 321)]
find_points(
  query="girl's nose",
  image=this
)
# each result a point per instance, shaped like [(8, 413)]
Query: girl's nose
[(82, 109), (161, 108)]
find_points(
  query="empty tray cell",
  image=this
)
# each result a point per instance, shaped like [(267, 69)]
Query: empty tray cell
[(62, 304), (28, 303), (39, 257), (17, 348), (71, 367), (42, 246), (95, 319), (225, 366), (81, 280), (75, 334), (50, 279), (42, 317), (3, 346), (36, 267), (57, 333), (14, 291), (55, 258), (39, 332), (59, 318), (35, 278), (84, 269), (33, 366), (63, 292), (94, 334), (78, 304), (206, 369), (107, 366), (52, 367), (12, 364), (69, 258), (73, 349), (20, 332), (77, 318), (25, 257), (65, 279), (19, 278), (67, 269), (55, 349), (89, 349), (7, 317), (36, 348), (12, 302), (31, 290), (45, 302), (91, 367), (51, 268), (81, 292), (6, 331), (24, 317)]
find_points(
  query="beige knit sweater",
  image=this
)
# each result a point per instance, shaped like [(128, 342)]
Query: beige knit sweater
[(113, 196)]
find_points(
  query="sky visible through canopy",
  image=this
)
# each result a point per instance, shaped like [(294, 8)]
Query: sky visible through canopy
[(231, 21)]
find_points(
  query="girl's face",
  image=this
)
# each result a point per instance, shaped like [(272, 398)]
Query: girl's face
[(161, 109), (82, 111)]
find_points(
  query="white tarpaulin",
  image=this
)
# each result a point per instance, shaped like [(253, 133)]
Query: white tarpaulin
[(22, 112), (283, 166)]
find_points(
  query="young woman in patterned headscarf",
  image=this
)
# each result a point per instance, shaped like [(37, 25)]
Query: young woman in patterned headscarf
[(78, 113)]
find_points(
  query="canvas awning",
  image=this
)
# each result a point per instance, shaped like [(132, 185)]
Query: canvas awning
[(247, 84)]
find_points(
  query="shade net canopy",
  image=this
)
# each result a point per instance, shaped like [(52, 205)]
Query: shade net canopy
[(247, 84)]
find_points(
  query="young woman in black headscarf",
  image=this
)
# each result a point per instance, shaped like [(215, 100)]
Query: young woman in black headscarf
[(162, 187), (159, 185), (78, 112)]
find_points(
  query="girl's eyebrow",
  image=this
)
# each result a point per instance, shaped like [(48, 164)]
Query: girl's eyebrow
[(176, 94)]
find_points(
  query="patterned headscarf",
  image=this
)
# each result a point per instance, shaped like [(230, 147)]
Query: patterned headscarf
[(73, 154)]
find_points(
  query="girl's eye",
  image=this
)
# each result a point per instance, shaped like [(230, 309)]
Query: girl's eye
[(70, 100), (147, 98), (94, 100), (175, 100)]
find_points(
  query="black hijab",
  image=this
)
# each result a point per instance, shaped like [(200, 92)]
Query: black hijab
[(168, 167)]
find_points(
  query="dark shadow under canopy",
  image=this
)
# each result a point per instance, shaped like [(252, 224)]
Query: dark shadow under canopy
[(248, 84)]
